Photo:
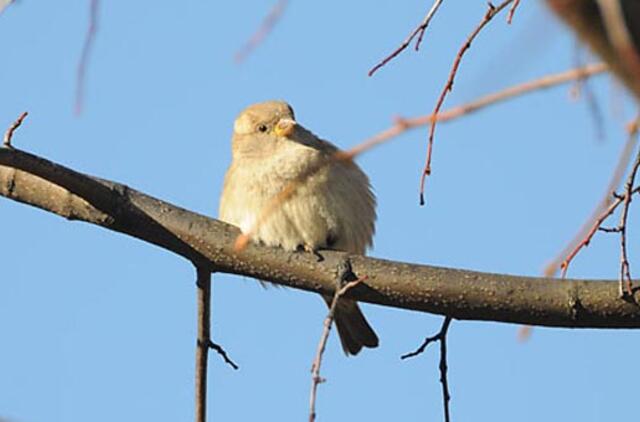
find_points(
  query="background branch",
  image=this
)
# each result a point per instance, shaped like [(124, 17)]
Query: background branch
[(584, 17)]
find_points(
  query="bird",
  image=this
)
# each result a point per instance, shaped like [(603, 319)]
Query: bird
[(333, 208)]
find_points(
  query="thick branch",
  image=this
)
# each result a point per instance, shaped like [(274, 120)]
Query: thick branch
[(209, 244)]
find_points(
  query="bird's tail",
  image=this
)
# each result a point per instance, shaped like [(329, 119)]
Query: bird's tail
[(353, 328)]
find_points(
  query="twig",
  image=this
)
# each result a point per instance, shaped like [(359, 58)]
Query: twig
[(405, 124), (491, 12), (223, 353), (265, 29), (317, 361), (587, 239), (625, 272), (418, 31), (595, 220), (512, 11), (84, 56), (8, 135), (441, 336)]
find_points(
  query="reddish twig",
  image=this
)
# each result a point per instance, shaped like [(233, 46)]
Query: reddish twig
[(491, 12), (441, 336), (592, 231), (625, 272), (265, 29), (322, 344), (404, 124), (84, 56), (512, 11), (418, 31), (8, 135), (590, 227)]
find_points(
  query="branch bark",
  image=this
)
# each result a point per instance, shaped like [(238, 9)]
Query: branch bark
[(208, 243)]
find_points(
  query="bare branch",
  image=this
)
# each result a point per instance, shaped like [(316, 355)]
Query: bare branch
[(265, 29), (209, 244), (441, 337), (316, 379), (512, 11), (625, 273), (223, 354), (448, 86), (418, 31), (8, 135), (592, 231), (203, 284), (604, 208)]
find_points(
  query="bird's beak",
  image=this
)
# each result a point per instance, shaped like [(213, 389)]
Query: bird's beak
[(285, 127)]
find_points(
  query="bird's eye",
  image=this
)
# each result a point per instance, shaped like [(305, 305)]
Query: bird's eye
[(262, 128)]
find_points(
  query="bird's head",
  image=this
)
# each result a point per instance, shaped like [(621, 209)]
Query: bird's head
[(260, 128)]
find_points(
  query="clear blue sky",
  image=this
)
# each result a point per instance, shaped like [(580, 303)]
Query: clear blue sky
[(96, 326)]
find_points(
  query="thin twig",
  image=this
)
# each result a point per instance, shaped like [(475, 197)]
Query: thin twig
[(595, 220), (223, 353), (84, 56), (512, 11), (418, 31), (491, 12), (592, 231), (626, 287), (203, 284), (405, 124), (265, 29), (322, 344), (441, 336), (8, 135)]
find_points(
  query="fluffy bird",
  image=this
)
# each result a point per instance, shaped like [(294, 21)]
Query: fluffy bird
[(334, 208)]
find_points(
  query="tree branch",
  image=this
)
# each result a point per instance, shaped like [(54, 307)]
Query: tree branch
[(208, 243), (203, 283), (585, 18)]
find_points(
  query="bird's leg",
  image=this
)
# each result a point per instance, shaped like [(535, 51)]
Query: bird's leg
[(310, 249)]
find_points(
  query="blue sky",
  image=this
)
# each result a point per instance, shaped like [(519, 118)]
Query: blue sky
[(98, 326)]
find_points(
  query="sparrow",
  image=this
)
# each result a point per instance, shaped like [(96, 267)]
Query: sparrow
[(333, 208)]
